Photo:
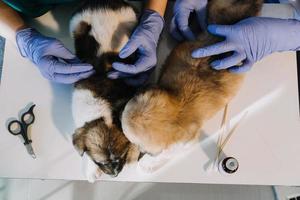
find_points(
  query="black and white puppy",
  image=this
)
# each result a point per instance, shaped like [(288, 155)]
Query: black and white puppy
[(100, 29)]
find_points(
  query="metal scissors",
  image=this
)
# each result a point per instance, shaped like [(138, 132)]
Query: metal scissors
[(20, 127)]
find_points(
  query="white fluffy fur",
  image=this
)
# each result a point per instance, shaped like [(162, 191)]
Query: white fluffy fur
[(150, 164), (104, 25), (90, 169), (87, 108)]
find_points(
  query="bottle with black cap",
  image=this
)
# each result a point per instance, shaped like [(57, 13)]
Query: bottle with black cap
[(228, 165)]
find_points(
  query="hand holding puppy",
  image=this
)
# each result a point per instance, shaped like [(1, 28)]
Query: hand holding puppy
[(144, 41)]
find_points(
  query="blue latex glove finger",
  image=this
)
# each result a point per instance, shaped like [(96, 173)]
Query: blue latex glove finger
[(131, 46), (230, 61), (73, 61), (219, 48), (137, 80), (142, 64), (70, 78), (182, 21), (50, 56), (220, 30), (65, 68), (255, 37), (58, 66), (58, 50), (241, 69), (143, 41), (215, 49), (117, 75), (174, 30)]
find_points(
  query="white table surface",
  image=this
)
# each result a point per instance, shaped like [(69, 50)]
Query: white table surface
[(266, 144)]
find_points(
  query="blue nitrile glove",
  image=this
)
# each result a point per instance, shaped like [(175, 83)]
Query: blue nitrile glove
[(179, 27), (250, 40), (54, 61), (143, 40)]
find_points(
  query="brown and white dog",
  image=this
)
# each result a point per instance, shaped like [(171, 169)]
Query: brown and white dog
[(165, 118), (100, 29)]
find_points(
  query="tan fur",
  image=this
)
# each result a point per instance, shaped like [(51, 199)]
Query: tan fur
[(188, 93), (101, 142)]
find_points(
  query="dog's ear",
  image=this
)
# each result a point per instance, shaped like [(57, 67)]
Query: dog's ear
[(79, 141), (86, 46)]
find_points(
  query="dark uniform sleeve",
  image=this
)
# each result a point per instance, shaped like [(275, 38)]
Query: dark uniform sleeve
[(272, 1), (34, 8)]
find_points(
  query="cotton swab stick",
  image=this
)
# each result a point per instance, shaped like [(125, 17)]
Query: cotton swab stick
[(232, 131), (223, 127), (220, 143), (220, 137)]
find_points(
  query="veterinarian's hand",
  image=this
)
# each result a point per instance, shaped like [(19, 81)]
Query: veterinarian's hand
[(143, 41), (250, 40), (180, 23), (54, 61)]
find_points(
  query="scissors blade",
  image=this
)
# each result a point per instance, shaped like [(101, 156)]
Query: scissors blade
[(30, 150)]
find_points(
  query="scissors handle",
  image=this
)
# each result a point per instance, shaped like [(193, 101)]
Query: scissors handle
[(28, 117), (15, 127)]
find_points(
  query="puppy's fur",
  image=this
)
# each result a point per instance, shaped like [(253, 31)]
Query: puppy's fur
[(100, 29), (188, 92)]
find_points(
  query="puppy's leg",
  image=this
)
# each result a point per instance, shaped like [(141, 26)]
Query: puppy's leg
[(132, 155), (90, 169), (150, 164)]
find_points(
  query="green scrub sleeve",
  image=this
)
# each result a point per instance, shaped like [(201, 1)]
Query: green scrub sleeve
[(34, 8)]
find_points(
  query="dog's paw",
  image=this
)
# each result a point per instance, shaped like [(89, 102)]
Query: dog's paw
[(93, 175), (91, 170), (149, 164)]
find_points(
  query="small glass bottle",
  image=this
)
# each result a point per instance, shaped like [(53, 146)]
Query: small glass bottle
[(228, 165)]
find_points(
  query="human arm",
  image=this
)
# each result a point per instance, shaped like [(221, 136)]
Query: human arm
[(55, 62), (158, 6), (10, 22)]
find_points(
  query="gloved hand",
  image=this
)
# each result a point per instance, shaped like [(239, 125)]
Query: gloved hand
[(143, 40), (54, 61), (250, 40), (180, 22)]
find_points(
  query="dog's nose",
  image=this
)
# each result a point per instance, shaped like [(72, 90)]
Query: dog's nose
[(115, 174), (117, 167)]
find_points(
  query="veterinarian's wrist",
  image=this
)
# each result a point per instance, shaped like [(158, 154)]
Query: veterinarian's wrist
[(153, 22), (284, 34), (158, 6), (23, 38)]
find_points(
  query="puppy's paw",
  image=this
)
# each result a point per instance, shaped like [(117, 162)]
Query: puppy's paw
[(92, 174), (149, 164), (91, 170)]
